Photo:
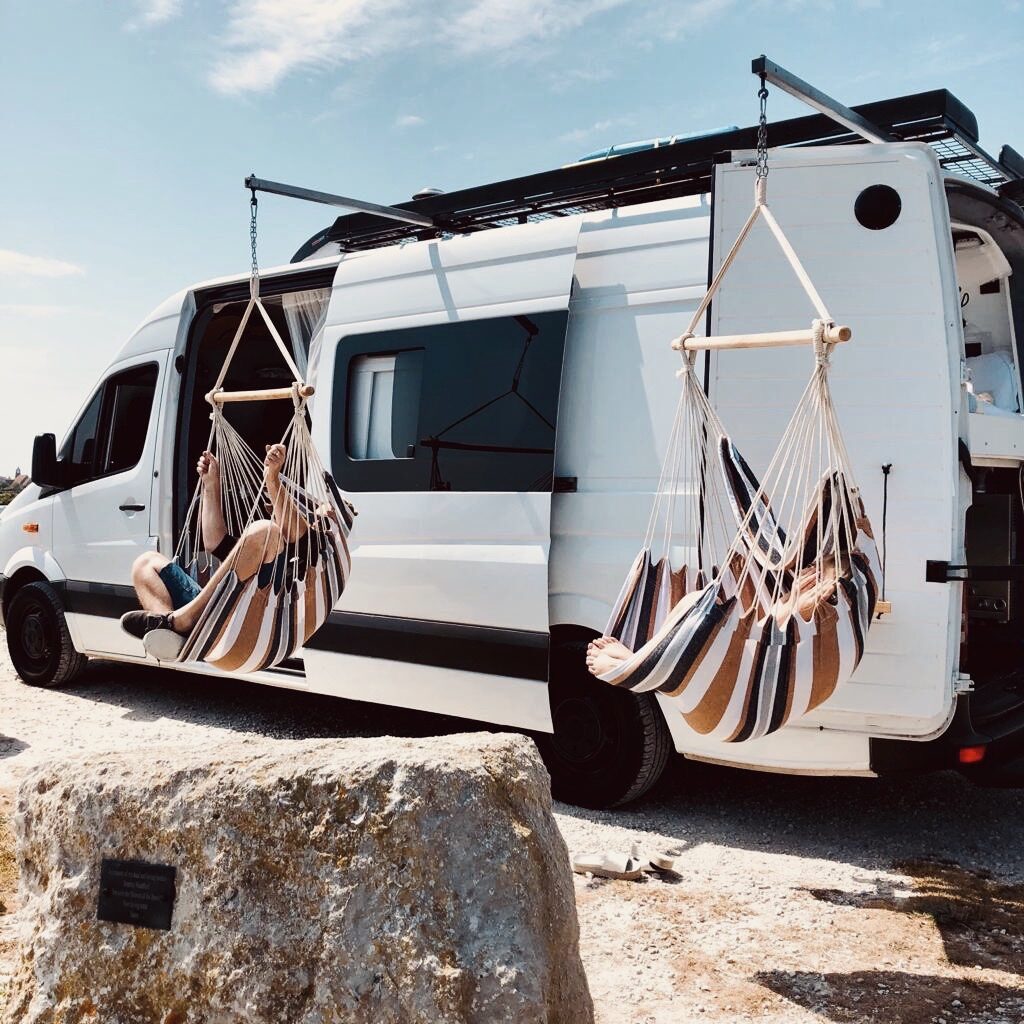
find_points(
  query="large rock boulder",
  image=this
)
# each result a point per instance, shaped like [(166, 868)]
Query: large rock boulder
[(383, 880)]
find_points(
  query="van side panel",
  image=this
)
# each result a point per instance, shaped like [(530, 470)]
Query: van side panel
[(640, 273), (447, 607)]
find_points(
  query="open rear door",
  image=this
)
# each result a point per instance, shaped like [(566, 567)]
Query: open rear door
[(438, 402), (871, 226)]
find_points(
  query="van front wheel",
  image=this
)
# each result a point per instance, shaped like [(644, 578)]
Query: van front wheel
[(38, 639), (609, 746)]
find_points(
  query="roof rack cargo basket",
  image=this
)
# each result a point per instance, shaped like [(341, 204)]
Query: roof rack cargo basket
[(682, 168)]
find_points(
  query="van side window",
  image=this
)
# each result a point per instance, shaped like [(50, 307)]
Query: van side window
[(111, 433), (79, 450), (467, 406), (129, 400), (383, 405)]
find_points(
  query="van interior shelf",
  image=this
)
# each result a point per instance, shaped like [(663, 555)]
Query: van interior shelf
[(682, 168)]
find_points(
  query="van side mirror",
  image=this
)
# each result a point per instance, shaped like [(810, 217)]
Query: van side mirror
[(45, 468)]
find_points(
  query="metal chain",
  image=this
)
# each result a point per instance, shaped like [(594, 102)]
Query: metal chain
[(253, 204), (762, 132)]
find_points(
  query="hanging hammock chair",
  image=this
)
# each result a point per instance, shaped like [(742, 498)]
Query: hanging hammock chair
[(258, 621), (750, 601)]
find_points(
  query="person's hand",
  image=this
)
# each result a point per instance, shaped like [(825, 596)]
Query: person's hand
[(208, 469), (274, 462)]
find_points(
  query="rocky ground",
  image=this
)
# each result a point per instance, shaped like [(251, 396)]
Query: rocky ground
[(797, 900)]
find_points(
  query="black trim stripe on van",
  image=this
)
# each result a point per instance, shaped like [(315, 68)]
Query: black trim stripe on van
[(107, 600), (519, 653), (495, 651)]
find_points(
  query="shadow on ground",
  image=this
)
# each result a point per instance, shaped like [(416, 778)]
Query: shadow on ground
[(978, 918), (9, 746), (896, 997)]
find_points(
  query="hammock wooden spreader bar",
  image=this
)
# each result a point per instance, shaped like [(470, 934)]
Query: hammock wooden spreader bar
[(750, 600), (266, 395), (832, 334)]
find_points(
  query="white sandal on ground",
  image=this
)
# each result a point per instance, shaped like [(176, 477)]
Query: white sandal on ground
[(663, 862), (608, 865)]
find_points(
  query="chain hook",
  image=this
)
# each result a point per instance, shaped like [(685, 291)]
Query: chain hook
[(253, 209), (762, 138)]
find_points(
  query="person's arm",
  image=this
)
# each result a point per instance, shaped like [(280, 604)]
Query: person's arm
[(213, 525), (289, 519)]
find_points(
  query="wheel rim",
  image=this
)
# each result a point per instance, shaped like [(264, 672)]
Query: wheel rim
[(38, 636), (581, 736)]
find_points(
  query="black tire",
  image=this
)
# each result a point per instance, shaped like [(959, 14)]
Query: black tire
[(609, 745), (38, 639)]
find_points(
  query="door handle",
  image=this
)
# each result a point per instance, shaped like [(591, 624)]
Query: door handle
[(132, 508)]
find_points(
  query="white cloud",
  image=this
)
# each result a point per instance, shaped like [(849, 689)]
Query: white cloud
[(266, 40), (409, 121), (20, 264), (154, 12), (598, 128), (486, 25), (569, 78)]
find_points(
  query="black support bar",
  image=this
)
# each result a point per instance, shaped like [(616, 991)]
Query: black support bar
[(817, 100), (278, 188)]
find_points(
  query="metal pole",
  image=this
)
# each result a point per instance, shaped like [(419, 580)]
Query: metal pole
[(797, 87), (329, 199)]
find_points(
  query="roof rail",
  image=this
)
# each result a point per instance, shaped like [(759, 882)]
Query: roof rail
[(682, 168)]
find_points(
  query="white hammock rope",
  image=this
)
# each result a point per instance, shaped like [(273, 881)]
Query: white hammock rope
[(767, 612), (257, 622)]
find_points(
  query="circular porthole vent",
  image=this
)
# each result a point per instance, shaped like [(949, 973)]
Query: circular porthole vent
[(878, 207)]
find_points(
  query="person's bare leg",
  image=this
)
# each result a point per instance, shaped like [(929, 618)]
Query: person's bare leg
[(153, 594), (259, 544)]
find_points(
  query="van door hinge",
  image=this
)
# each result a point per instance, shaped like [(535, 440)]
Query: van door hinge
[(963, 683), (944, 572)]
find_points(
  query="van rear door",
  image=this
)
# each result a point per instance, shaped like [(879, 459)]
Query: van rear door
[(441, 371), (871, 225)]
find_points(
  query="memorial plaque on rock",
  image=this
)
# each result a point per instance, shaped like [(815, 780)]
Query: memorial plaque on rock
[(136, 892)]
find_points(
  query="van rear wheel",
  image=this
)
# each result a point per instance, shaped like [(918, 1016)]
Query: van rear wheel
[(609, 746), (38, 639)]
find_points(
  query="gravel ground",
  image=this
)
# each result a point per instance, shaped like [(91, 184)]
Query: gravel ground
[(797, 900)]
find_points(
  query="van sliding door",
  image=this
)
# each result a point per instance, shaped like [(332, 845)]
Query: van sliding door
[(441, 369), (871, 226)]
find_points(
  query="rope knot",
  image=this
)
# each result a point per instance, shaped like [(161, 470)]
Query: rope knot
[(822, 348)]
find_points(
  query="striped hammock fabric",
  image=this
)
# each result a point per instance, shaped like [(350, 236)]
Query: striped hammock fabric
[(776, 619), (256, 622)]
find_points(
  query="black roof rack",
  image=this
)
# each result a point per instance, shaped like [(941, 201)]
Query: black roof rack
[(684, 168)]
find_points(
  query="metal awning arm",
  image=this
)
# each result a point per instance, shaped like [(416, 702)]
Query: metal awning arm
[(329, 199), (802, 90)]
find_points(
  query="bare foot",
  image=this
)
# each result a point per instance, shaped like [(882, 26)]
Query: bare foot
[(606, 653)]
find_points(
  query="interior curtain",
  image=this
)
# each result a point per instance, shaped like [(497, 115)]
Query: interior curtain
[(305, 313)]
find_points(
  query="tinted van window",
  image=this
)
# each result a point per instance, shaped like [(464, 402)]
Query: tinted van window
[(467, 406), (129, 401)]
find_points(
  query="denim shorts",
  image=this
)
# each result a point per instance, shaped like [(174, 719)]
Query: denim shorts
[(179, 584)]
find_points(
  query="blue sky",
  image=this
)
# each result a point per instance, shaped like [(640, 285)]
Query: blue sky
[(128, 126)]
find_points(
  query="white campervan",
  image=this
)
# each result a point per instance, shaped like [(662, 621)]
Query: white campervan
[(495, 395)]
